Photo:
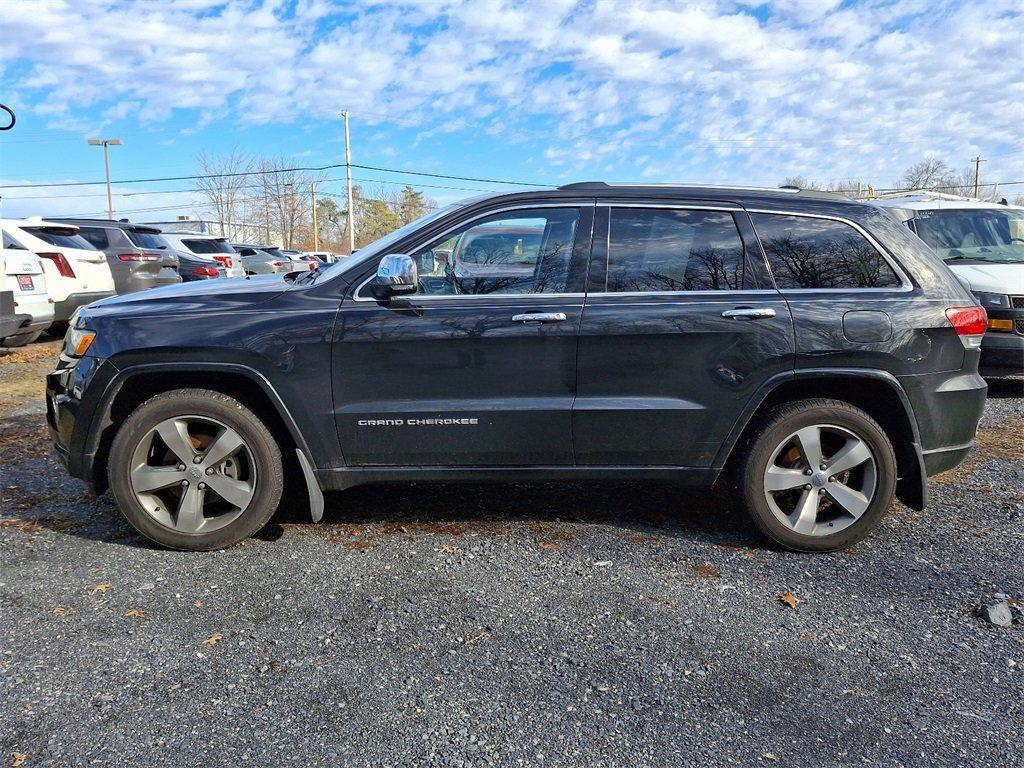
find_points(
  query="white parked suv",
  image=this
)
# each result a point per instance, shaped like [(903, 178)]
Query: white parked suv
[(21, 273), (983, 244), (216, 250), (76, 273)]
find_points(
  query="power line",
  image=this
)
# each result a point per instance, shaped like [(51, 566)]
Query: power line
[(195, 177)]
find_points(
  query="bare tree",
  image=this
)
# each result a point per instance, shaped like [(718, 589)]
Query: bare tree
[(927, 174), (223, 181)]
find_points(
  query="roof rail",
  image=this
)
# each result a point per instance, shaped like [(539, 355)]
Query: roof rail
[(582, 185)]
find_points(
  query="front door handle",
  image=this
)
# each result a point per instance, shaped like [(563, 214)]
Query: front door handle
[(539, 317), (749, 313)]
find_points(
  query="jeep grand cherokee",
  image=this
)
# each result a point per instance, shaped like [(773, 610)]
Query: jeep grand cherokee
[(806, 349)]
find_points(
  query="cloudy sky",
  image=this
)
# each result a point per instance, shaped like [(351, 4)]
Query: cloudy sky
[(544, 92)]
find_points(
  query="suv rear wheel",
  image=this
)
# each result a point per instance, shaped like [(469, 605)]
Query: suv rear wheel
[(817, 475), (194, 469)]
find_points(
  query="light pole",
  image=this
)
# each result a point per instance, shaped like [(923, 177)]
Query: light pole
[(106, 165)]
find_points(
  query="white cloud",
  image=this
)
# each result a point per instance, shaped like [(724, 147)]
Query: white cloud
[(815, 87)]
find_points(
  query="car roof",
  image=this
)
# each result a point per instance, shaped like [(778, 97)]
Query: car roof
[(38, 221), (186, 233)]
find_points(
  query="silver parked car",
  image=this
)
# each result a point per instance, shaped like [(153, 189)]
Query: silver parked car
[(138, 258), (260, 260)]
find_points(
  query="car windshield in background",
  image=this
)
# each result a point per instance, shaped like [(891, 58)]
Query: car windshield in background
[(973, 234), (207, 246), (145, 239), (61, 237)]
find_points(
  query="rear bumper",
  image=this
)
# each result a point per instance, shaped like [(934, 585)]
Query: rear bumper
[(10, 325), (62, 310), (948, 407), (1002, 354)]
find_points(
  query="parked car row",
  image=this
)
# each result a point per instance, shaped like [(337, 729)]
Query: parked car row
[(52, 267)]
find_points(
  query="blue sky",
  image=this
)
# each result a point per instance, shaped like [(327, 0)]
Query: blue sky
[(547, 92)]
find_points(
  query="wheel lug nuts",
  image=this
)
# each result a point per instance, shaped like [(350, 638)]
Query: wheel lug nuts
[(199, 459), (832, 479), (808, 472), (202, 486), (181, 467), (209, 470), (184, 483), (824, 465), (807, 487)]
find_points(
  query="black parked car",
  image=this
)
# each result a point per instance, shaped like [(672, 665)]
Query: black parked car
[(806, 348)]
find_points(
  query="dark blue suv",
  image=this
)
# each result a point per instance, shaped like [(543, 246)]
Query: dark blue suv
[(806, 349)]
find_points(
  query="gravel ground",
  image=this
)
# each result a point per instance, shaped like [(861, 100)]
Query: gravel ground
[(625, 625)]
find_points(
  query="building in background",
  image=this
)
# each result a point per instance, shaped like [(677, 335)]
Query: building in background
[(235, 232)]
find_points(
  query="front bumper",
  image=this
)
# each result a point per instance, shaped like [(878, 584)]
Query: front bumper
[(74, 390)]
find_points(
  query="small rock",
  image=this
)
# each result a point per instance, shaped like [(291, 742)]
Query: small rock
[(603, 564), (998, 614)]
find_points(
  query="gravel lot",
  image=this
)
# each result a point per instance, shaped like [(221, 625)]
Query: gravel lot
[(625, 625)]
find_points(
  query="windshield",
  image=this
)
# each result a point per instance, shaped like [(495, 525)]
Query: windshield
[(379, 247), (980, 234), (61, 237), (145, 239), (213, 245)]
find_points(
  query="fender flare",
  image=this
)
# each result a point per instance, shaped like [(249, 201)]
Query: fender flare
[(911, 489), (124, 375)]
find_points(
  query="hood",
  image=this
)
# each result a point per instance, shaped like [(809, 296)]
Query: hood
[(993, 278), (199, 296)]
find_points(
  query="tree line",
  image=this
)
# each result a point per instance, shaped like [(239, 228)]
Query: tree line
[(265, 199), (931, 174)]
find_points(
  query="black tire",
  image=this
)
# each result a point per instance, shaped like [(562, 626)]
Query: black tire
[(265, 452), (766, 437)]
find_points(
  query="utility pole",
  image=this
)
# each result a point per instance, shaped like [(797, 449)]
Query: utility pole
[(266, 208), (348, 184), (977, 175), (290, 234), (106, 165), (316, 229)]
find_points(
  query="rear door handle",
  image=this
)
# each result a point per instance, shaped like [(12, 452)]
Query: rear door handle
[(749, 313), (539, 317)]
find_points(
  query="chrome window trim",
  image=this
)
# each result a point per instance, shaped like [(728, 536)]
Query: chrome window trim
[(906, 285), (723, 294), (672, 206), (524, 206)]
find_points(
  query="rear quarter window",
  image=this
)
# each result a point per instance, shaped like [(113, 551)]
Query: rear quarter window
[(198, 245), (811, 253), (97, 236)]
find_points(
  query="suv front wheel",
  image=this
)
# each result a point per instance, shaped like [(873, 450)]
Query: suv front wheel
[(194, 469), (817, 475)]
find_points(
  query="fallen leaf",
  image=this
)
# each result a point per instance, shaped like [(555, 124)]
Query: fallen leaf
[(134, 613), (550, 546), (213, 639), (446, 550), (706, 571), (58, 610), (198, 603), (19, 759), (789, 600), (101, 588), (770, 756)]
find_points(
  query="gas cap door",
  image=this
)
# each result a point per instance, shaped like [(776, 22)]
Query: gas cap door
[(866, 326)]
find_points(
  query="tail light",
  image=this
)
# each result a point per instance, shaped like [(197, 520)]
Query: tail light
[(969, 323), (312, 266), (204, 272), (63, 267), (137, 257), (225, 260), (276, 264)]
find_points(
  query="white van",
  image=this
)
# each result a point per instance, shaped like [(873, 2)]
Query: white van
[(76, 273), (983, 244), (21, 273)]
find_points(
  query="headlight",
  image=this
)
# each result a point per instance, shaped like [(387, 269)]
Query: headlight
[(77, 341), (992, 300)]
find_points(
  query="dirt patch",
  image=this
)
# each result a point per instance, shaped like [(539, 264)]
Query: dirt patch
[(23, 372), (38, 524), (24, 440)]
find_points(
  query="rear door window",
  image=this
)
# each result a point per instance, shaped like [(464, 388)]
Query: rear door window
[(658, 250), (811, 253), (144, 239)]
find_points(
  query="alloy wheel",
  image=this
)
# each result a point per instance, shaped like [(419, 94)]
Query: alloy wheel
[(821, 479), (193, 474)]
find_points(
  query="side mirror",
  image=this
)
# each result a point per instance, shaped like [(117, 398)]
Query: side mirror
[(396, 276)]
